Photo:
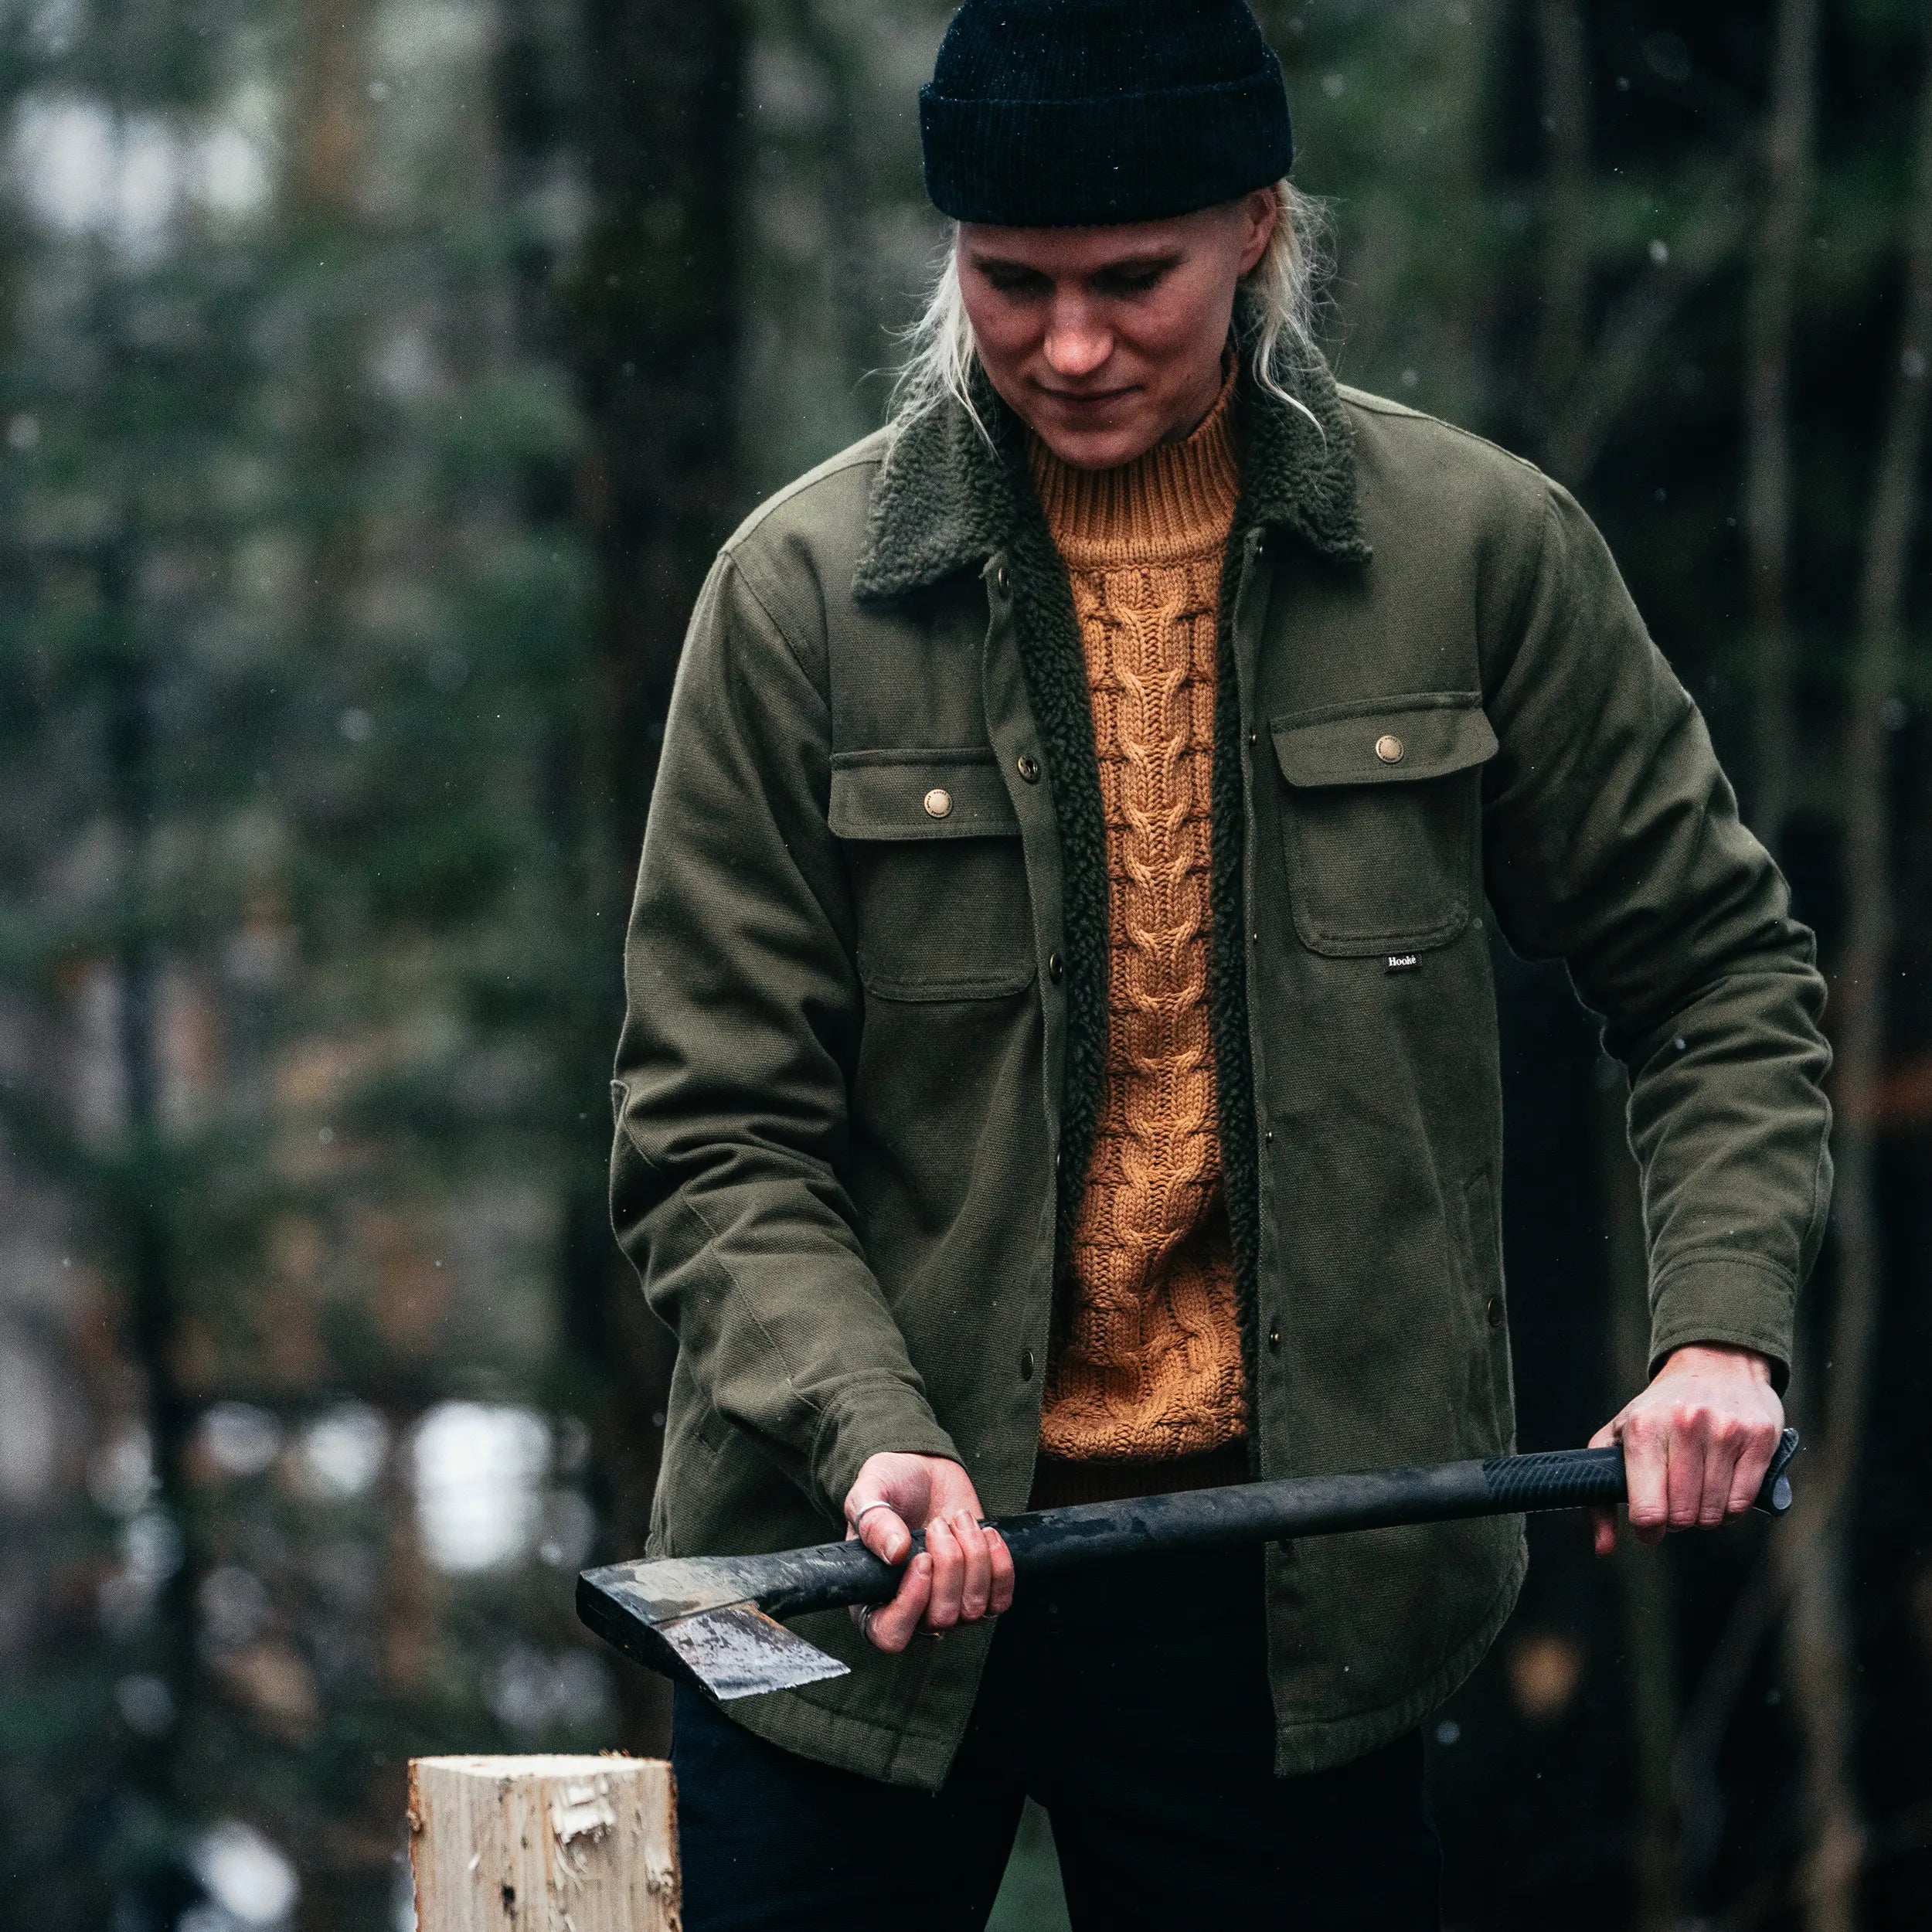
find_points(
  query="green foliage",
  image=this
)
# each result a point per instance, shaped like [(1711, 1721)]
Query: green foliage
[(292, 676)]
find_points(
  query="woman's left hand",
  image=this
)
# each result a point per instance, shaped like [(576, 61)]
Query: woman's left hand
[(1697, 1442)]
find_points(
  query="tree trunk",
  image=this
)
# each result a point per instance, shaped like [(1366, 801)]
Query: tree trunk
[(1637, 326), (139, 1204), (1820, 1640), (659, 354), (1770, 320), (331, 446), (327, 123), (151, 1286), (1650, 1625), (1769, 316), (1563, 334), (657, 361), (840, 182)]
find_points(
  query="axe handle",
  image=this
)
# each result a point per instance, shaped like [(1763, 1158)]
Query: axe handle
[(832, 1575)]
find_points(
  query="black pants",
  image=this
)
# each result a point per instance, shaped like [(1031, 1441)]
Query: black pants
[(1131, 1701)]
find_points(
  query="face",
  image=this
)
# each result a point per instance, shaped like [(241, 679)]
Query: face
[(1107, 340)]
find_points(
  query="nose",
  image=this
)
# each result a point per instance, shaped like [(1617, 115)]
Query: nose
[(1077, 344)]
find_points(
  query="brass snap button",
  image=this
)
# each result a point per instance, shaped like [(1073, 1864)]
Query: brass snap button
[(1389, 749), (1026, 1364), (939, 801), (1056, 967), (1493, 1308), (1274, 1338), (1030, 767)]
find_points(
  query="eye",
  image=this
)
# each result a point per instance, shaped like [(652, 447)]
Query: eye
[(1010, 281), (1131, 281)]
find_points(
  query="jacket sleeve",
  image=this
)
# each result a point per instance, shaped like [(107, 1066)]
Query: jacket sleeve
[(743, 1015), (1612, 841)]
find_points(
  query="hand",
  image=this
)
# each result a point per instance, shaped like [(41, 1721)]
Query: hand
[(965, 1572), (1697, 1442)]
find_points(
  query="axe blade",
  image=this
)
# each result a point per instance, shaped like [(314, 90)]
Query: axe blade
[(700, 1619), (739, 1652)]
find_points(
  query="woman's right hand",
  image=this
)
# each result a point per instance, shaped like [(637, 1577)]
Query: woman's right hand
[(965, 1572)]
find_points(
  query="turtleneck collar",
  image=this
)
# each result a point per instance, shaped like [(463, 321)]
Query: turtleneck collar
[(1177, 500)]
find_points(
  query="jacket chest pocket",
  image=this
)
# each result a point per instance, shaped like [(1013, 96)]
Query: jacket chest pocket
[(938, 875), (1379, 820)]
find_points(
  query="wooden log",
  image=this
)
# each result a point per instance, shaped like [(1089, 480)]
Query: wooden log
[(544, 1844)]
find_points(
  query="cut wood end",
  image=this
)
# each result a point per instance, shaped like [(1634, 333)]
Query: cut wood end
[(540, 1764), (554, 1842)]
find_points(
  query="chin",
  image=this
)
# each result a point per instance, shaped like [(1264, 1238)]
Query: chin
[(1102, 448)]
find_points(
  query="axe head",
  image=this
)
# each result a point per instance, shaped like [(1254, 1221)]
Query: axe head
[(697, 1618)]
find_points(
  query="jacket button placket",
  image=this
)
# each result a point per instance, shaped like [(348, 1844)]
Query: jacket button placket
[(1014, 732), (1251, 597)]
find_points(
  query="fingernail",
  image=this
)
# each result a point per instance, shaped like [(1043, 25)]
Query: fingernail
[(922, 1563)]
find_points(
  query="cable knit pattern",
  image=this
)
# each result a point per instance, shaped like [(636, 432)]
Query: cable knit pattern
[(1148, 1367)]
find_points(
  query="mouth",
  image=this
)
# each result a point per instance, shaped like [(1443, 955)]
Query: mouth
[(1085, 402)]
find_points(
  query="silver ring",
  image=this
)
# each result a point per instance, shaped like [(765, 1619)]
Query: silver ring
[(880, 1504), (865, 1620)]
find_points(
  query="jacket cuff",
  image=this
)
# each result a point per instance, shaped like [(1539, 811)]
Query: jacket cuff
[(873, 1416), (1728, 1301)]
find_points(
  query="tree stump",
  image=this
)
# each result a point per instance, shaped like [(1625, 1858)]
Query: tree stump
[(545, 1844)]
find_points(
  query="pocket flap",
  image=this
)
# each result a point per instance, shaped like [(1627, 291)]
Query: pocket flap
[(1385, 741), (919, 794)]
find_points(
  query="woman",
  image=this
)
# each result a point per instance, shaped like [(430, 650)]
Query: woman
[(1061, 1060)]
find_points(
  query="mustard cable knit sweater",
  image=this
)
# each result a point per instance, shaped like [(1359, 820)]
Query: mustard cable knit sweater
[(1150, 1367)]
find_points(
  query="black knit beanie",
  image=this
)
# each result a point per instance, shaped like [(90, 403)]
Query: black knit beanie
[(1065, 113)]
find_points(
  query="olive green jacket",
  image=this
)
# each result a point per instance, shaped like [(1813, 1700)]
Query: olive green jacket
[(858, 1085)]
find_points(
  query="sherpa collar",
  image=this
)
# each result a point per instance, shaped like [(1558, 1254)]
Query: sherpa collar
[(944, 501)]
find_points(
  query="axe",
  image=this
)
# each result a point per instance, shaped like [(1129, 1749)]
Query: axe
[(714, 1621)]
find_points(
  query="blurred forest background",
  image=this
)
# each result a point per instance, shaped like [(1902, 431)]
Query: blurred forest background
[(378, 378)]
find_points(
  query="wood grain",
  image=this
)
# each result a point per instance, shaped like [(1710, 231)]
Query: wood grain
[(544, 1844)]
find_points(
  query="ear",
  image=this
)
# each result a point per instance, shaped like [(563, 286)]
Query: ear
[(1260, 211)]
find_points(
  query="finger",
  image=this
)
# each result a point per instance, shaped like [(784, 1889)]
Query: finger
[(1687, 1449), (1645, 1473), (892, 1626), (1604, 1530), (1720, 1473), (883, 1532), (1002, 1599), (1760, 1444), (1603, 1522), (976, 1582), (949, 1572)]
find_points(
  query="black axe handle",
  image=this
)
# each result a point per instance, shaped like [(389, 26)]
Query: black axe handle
[(830, 1576)]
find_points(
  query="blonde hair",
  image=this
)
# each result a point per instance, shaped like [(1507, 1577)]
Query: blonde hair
[(1275, 308)]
